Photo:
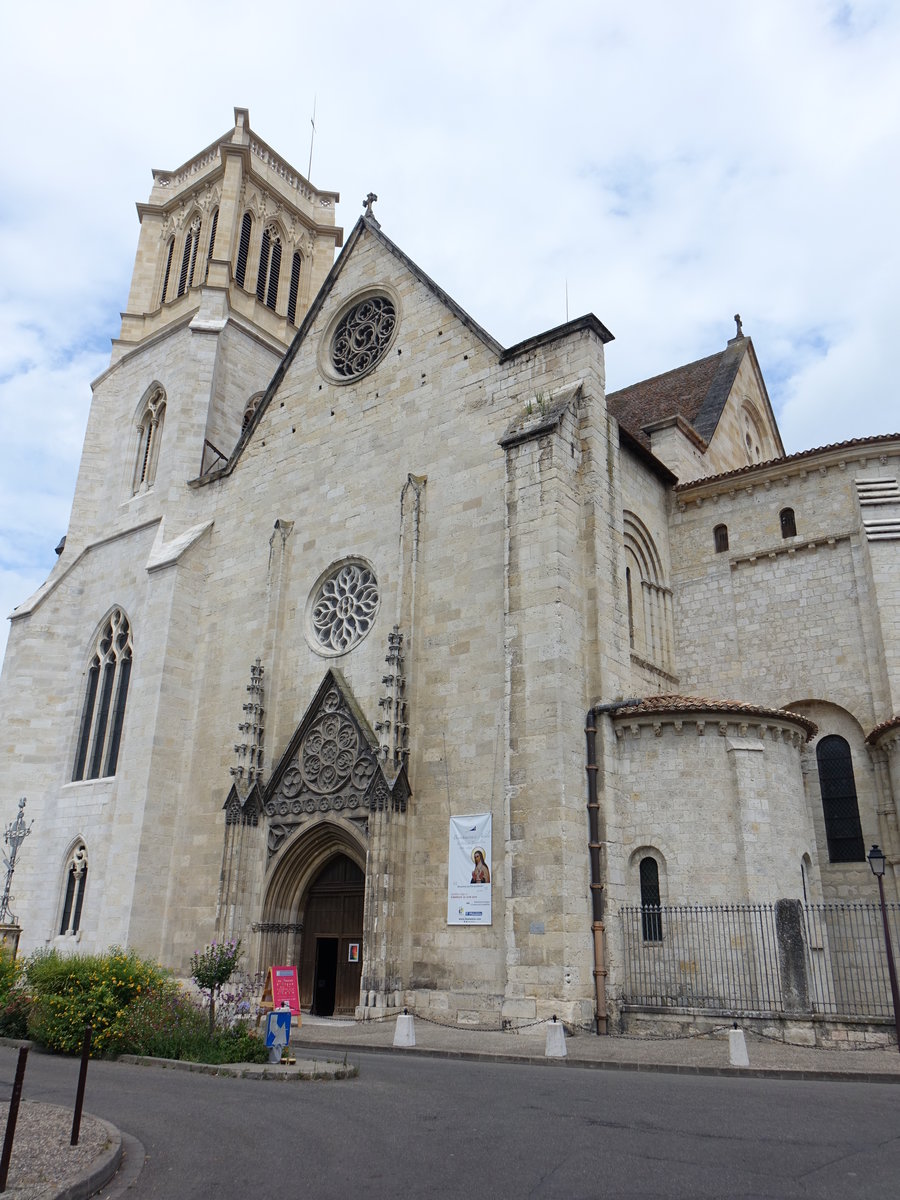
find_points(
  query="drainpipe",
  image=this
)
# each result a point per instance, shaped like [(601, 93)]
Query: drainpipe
[(595, 844)]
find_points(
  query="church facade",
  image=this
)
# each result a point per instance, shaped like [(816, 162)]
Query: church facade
[(342, 570)]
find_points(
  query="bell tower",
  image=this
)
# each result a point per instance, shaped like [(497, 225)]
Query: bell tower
[(234, 245)]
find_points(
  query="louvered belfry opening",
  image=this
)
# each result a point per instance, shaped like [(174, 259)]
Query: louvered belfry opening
[(240, 269), (296, 264)]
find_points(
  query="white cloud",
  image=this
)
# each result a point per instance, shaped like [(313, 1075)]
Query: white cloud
[(671, 164)]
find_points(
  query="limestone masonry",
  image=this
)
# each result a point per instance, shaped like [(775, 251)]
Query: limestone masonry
[(340, 567)]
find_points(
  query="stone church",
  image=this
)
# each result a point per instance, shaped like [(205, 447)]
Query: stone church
[(341, 569)]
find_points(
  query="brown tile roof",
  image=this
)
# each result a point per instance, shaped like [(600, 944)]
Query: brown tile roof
[(850, 444), (694, 704), (697, 392), (892, 723)]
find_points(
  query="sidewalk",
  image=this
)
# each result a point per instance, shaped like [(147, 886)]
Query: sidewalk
[(707, 1054)]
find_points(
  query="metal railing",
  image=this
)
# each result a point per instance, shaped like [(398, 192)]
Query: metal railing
[(785, 957)]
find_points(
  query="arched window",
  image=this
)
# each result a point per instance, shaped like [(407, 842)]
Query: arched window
[(648, 598), (651, 915), (213, 225), (150, 427), (104, 702), (269, 266), (788, 523), (720, 538), (76, 882), (250, 410), (165, 282), (839, 803), (240, 266), (296, 264), (189, 257)]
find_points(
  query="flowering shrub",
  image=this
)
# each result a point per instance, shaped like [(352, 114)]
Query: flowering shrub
[(169, 1024), (71, 991), (212, 968), (14, 1001)]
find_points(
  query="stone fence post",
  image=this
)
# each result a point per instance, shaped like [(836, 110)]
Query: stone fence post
[(790, 936)]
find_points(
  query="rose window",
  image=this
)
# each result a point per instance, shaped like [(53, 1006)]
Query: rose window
[(344, 608), (329, 753), (362, 336)]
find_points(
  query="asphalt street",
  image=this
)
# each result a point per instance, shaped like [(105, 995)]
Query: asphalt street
[(418, 1127)]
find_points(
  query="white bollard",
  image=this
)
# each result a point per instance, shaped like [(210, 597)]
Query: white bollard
[(737, 1048), (404, 1031), (556, 1040)]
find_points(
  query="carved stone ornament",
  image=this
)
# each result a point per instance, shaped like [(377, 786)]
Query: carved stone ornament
[(342, 608), (362, 336), (333, 768)]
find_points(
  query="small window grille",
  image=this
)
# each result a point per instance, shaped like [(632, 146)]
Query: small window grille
[(240, 270), (165, 284), (720, 538), (788, 523), (651, 914), (103, 714), (296, 264), (212, 241), (840, 806), (76, 881)]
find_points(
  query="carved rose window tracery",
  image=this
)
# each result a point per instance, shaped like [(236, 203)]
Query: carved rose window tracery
[(344, 608), (362, 336)]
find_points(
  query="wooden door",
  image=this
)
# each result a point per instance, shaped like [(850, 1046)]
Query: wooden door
[(333, 913)]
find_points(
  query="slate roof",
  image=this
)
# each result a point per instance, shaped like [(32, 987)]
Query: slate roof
[(695, 704), (697, 392)]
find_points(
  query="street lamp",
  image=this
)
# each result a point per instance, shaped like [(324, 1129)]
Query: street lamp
[(877, 863)]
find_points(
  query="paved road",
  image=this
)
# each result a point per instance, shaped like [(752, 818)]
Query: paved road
[(418, 1127)]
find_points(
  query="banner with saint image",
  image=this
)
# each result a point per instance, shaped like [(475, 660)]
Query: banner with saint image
[(469, 875)]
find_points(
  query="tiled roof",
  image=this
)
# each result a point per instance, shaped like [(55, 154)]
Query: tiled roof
[(697, 392), (694, 704), (892, 723), (789, 458)]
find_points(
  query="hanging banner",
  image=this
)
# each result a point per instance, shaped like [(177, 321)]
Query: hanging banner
[(469, 874)]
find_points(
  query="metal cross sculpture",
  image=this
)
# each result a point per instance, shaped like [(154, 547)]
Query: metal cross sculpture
[(15, 835)]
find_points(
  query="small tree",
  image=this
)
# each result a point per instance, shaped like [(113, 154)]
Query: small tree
[(212, 968)]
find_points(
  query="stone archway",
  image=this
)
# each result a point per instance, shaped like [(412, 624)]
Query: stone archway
[(319, 874)]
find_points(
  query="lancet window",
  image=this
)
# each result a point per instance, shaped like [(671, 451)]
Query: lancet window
[(651, 916), (213, 225), (296, 265), (150, 427), (75, 884), (103, 714), (240, 266), (168, 268), (189, 257), (269, 267)]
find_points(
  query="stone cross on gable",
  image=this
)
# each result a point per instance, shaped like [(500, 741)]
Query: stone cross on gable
[(367, 205)]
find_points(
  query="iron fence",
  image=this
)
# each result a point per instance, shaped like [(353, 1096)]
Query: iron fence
[(784, 957)]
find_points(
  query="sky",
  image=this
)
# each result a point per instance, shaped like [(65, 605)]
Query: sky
[(663, 166)]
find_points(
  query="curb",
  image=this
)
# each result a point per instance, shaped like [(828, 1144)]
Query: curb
[(533, 1060), (101, 1171), (307, 1069)]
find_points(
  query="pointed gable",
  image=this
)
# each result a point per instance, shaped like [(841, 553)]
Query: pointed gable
[(719, 404), (331, 763)]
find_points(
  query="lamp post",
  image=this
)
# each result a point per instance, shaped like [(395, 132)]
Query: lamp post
[(877, 863)]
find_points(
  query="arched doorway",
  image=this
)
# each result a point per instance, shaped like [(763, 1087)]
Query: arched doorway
[(331, 947)]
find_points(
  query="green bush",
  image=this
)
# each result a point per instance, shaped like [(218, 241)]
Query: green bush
[(168, 1024), (14, 1015), (71, 991)]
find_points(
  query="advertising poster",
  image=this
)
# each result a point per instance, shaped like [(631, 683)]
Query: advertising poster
[(469, 876)]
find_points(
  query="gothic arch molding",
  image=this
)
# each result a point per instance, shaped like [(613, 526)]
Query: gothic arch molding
[(301, 860)]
